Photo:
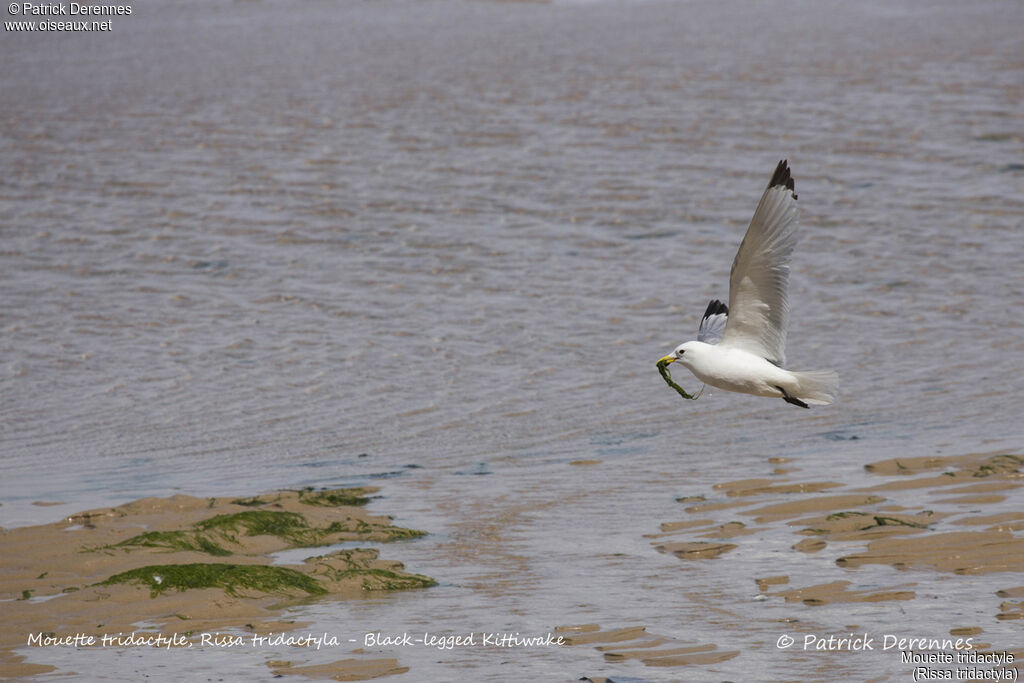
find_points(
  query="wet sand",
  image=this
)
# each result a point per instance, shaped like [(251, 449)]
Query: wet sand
[(887, 523), (934, 514), (945, 515), (186, 567)]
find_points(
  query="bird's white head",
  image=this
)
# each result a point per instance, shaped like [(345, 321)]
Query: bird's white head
[(683, 353)]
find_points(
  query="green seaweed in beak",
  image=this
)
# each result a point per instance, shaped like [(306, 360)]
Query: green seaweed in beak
[(667, 376)]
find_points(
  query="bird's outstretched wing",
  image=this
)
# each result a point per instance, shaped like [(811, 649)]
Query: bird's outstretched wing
[(758, 309), (712, 325)]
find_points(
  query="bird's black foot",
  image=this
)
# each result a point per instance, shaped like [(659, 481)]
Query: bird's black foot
[(789, 399)]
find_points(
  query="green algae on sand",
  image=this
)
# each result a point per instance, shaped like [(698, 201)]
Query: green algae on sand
[(355, 497), (174, 540), (363, 565), (231, 578), (217, 535), (192, 564), (357, 568)]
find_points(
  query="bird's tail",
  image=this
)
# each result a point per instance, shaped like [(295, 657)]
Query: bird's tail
[(817, 387)]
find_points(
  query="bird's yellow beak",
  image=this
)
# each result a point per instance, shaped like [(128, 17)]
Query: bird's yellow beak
[(665, 361)]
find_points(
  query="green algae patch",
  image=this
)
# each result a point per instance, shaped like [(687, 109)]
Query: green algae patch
[(1000, 464), (233, 579), (267, 524), (228, 533), (363, 568), (382, 532), (174, 540), (977, 465), (187, 564), (210, 536), (386, 580), (254, 501), (889, 520), (855, 525), (294, 528), (291, 527), (351, 497)]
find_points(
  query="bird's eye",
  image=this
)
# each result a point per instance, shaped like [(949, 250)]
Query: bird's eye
[(680, 352)]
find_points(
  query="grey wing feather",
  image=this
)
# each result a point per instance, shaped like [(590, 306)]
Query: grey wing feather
[(712, 325), (758, 307)]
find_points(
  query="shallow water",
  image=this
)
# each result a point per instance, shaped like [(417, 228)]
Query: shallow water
[(438, 246)]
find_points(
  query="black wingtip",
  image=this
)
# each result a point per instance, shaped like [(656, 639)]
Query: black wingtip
[(714, 308), (783, 177)]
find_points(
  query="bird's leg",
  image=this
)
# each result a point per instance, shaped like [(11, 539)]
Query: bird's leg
[(789, 399)]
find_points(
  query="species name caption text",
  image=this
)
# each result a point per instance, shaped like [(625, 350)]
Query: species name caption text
[(80, 13), (440, 641), (933, 659)]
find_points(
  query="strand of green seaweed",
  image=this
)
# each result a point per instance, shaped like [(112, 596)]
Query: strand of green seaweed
[(667, 376)]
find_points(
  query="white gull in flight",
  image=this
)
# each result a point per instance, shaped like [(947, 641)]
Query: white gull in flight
[(742, 347)]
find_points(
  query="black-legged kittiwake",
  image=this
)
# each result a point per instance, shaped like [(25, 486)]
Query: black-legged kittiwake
[(742, 347)]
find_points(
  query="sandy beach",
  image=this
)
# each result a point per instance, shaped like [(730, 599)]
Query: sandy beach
[(92, 579), (197, 572)]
